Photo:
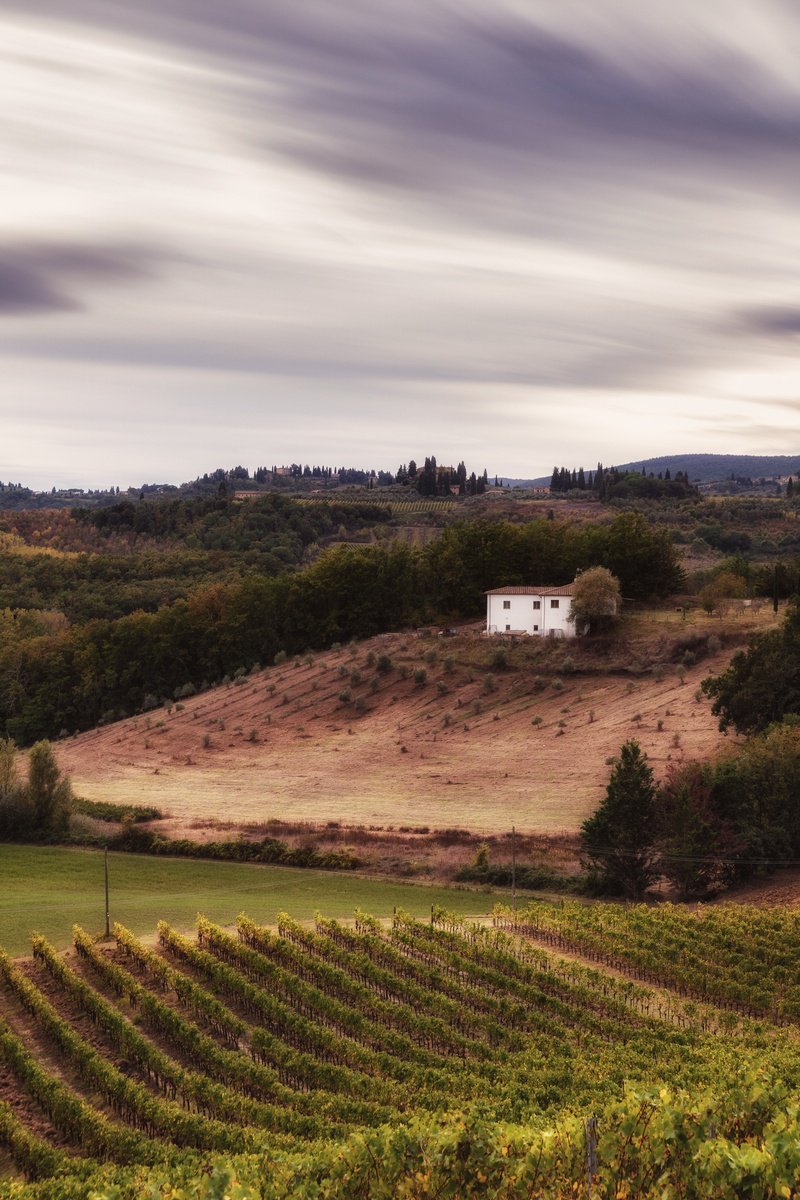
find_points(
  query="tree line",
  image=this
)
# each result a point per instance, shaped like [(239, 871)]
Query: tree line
[(70, 679), (705, 826), (609, 483)]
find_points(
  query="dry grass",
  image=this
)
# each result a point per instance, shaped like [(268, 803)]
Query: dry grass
[(281, 744)]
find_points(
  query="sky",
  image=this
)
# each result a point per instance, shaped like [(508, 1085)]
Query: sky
[(513, 232)]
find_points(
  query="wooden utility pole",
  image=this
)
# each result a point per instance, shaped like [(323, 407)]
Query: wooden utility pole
[(108, 928), (514, 870)]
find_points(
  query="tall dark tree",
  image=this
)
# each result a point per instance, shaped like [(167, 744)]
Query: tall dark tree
[(619, 839), (762, 684)]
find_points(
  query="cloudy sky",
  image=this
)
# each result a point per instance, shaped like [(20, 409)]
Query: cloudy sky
[(516, 232)]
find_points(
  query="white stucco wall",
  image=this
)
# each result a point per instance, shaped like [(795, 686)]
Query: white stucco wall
[(522, 615)]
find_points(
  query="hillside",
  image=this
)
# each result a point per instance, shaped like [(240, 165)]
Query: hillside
[(354, 735), (704, 468)]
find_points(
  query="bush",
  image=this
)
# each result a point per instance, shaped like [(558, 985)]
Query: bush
[(499, 659), (489, 684), (184, 691), (442, 688), (279, 658), (345, 696), (383, 664), (420, 677), (537, 720)]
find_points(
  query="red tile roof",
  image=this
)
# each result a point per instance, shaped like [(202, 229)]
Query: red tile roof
[(566, 589)]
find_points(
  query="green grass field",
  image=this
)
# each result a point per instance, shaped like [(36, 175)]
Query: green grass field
[(48, 889)]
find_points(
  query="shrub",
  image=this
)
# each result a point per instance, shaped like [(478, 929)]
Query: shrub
[(185, 690), (569, 666), (240, 673), (558, 685), (537, 720), (383, 664), (279, 658), (252, 735), (430, 657), (714, 644), (442, 688), (360, 704), (206, 741), (448, 664), (345, 695), (341, 671), (489, 683), (405, 671), (420, 677), (538, 684), (150, 701), (355, 677), (370, 660), (499, 659), (591, 716)]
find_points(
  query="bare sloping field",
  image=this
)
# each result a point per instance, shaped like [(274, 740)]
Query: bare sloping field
[(354, 737)]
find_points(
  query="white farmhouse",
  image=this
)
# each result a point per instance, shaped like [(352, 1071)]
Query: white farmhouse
[(539, 611)]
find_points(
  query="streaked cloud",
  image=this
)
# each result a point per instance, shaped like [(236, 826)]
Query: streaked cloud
[(326, 220)]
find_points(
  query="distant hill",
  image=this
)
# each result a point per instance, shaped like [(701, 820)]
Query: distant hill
[(706, 468)]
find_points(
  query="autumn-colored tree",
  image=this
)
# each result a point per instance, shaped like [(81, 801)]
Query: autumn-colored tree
[(596, 601)]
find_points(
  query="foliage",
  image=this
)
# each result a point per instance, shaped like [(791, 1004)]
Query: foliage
[(698, 845), (104, 810), (355, 1068), (618, 840), (42, 806), (596, 601), (761, 684)]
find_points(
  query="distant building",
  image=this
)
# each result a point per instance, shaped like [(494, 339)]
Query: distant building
[(537, 611)]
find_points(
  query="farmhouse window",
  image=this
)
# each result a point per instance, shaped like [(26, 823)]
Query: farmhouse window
[(536, 629), (537, 604), (508, 629), (506, 604), (554, 604)]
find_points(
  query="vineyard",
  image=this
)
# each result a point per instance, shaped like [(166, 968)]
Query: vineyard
[(426, 1059)]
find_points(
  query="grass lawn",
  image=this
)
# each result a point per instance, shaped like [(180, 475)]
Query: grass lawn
[(48, 889)]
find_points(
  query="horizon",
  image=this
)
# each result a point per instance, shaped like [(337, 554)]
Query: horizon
[(43, 489)]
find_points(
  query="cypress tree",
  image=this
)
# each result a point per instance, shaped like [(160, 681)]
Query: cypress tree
[(618, 840)]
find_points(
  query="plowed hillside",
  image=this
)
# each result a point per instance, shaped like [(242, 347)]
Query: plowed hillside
[(311, 740)]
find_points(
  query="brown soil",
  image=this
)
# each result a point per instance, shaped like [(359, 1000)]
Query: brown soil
[(280, 743)]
